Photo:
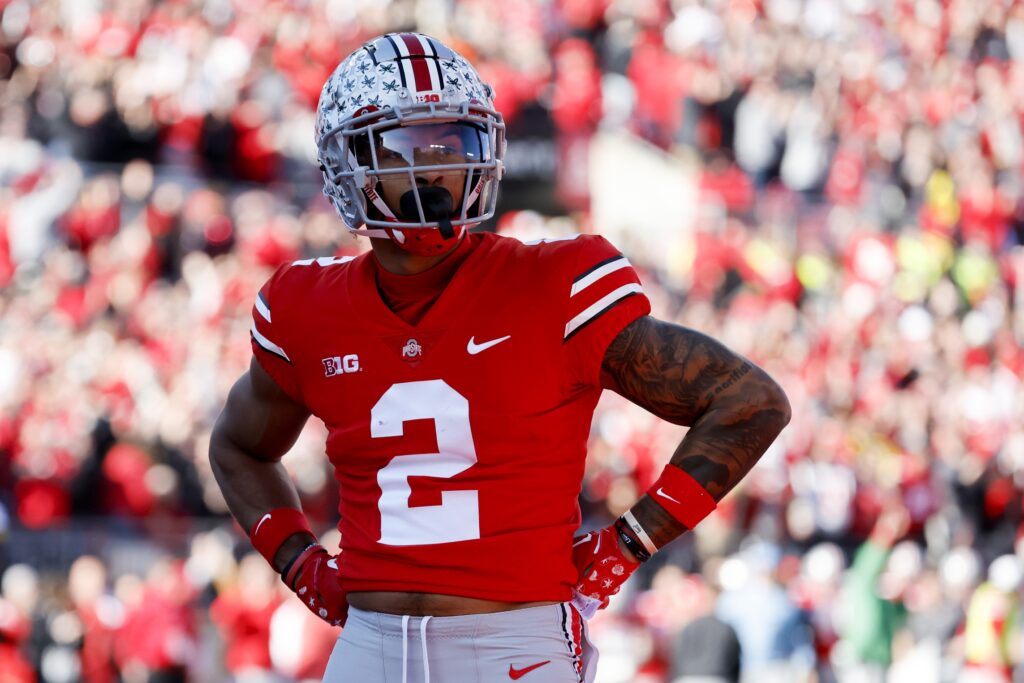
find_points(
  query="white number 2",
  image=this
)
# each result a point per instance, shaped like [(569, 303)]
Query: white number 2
[(457, 518)]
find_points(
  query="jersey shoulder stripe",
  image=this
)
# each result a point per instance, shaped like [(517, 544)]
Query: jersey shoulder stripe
[(268, 345), (597, 272), (324, 261), (263, 307), (599, 307), (603, 278), (292, 285)]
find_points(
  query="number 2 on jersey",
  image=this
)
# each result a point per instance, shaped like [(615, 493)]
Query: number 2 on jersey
[(457, 518)]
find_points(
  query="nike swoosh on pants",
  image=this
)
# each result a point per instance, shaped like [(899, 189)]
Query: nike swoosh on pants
[(515, 674)]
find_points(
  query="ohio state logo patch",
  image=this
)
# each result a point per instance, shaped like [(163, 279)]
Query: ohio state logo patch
[(412, 350)]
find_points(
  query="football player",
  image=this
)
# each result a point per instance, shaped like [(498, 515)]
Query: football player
[(457, 374)]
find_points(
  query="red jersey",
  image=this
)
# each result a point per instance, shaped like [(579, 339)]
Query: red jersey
[(458, 442)]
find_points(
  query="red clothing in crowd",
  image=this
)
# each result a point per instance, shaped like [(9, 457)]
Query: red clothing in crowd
[(846, 179), (246, 629), (87, 225), (158, 632), (13, 666), (729, 185), (124, 470), (6, 264), (301, 643), (97, 647), (255, 158), (985, 216), (658, 77), (576, 105), (41, 502), (14, 629)]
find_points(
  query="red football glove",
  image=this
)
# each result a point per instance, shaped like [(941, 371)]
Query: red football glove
[(603, 568), (315, 577)]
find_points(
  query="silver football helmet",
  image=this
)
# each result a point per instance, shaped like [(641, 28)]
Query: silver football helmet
[(402, 108)]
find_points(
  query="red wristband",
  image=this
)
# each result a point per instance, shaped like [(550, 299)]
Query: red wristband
[(274, 528), (682, 496)]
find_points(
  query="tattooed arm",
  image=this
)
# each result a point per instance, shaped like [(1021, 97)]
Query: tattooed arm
[(733, 408)]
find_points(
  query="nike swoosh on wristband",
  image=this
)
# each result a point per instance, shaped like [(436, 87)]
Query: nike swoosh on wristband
[(260, 523), (473, 348), (661, 492), (583, 539), (515, 674)]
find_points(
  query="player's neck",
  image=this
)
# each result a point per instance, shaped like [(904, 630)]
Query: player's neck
[(394, 259)]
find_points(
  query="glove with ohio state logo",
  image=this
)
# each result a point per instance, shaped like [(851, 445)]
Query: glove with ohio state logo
[(314, 575), (602, 567)]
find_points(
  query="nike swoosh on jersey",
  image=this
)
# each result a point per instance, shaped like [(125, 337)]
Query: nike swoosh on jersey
[(515, 674), (661, 492), (473, 348)]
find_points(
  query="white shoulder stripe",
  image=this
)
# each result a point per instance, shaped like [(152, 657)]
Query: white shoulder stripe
[(548, 240), (323, 261), (591, 278), (604, 302), (262, 307), (267, 344)]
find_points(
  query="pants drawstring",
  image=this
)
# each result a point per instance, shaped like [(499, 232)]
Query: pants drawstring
[(423, 646), (405, 648)]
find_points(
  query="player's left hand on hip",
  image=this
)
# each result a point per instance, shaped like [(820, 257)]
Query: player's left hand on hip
[(316, 578), (603, 568)]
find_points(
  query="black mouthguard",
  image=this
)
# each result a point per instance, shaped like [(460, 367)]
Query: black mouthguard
[(437, 206)]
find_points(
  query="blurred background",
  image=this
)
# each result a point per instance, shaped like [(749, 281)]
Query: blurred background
[(831, 187)]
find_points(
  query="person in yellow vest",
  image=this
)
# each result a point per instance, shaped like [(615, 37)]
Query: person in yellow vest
[(991, 643)]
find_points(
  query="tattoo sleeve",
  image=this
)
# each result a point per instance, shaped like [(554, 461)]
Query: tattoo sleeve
[(733, 408)]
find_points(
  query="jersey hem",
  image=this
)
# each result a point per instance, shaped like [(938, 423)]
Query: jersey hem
[(561, 595)]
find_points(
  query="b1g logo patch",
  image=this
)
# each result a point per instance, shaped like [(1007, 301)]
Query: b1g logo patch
[(341, 365)]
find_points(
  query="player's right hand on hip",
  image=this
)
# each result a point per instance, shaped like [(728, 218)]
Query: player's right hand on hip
[(603, 568), (315, 577)]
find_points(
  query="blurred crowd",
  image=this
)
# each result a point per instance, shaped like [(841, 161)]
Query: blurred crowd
[(858, 233)]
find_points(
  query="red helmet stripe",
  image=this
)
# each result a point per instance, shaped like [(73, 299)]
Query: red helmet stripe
[(420, 70), (412, 43)]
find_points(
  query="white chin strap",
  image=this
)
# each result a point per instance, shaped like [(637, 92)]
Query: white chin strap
[(370, 193)]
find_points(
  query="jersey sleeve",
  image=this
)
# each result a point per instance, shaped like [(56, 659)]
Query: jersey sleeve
[(604, 295), (269, 337)]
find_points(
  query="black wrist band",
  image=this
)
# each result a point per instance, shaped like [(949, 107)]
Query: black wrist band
[(631, 541), (288, 565)]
